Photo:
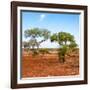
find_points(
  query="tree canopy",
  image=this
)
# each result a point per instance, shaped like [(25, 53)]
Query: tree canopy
[(35, 33), (66, 42), (63, 38)]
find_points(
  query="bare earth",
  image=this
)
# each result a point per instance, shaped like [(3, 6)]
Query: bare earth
[(49, 65)]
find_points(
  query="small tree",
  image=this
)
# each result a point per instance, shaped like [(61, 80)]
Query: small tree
[(66, 42), (33, 35)]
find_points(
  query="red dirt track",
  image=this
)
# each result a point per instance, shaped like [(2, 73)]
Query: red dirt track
[(48, 65)]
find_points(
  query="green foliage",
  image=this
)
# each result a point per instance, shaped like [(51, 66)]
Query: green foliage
[(40, 51), (35, 52), (66, 42), (73, 45), (54, 37), (64, 38), (45, 34), (62, 51), (44, 51), (35, 33)]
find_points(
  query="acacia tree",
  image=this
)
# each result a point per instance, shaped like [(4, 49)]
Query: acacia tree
[(66, 42), (33, 35)]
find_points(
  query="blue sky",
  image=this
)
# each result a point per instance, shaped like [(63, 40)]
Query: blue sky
[(54, 22)]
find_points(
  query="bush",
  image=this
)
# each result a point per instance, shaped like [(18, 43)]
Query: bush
[(35, 52), (44, 51)]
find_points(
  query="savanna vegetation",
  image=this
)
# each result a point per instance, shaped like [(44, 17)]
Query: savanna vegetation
[(39, 62)]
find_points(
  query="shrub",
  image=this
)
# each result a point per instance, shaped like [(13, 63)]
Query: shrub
[(44, 51)]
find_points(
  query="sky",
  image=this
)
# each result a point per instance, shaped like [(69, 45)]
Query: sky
[(54, 22)]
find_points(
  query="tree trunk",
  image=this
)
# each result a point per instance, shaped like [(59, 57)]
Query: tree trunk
[(65, 42), (61, 58)]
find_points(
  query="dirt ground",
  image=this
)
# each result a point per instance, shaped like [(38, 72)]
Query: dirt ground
[(49, 65)]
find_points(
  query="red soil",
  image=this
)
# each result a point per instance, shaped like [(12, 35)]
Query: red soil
[(49, 65)]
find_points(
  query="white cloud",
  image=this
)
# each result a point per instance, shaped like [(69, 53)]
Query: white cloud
[(42, 16)]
